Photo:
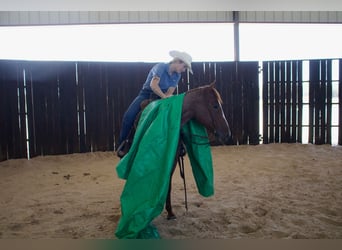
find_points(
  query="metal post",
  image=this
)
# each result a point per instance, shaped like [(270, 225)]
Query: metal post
[(236, 36)]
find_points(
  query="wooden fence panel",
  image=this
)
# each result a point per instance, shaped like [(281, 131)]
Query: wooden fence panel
[(249, 77), (282, 101), (93, 95), (12, 111), (52, 116), (78, 107), (108, 90), (68, 108)]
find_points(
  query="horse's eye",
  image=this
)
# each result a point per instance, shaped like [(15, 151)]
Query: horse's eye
[(215, 106)]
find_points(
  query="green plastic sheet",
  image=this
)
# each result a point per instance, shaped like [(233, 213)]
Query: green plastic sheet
[(148, 165)]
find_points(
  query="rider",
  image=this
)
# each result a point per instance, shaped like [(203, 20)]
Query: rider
[(161, 82)]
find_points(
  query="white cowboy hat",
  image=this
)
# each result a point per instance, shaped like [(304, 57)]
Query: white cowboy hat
[(185, 57)]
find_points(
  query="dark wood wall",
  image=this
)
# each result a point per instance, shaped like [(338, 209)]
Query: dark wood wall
[(283, 103), (70, 107)]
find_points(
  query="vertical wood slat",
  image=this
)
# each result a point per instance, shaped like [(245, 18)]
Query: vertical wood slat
[(3, 123), (313, 82), (294, 103), (265, 90), (81, 109), (19, 133), (300, 100), (276, 102), (328, 103), (113, 108), (249, 74), (320, 92), (271, 103), (21, 147), (31, 115), (288, 101), (322, 100), (340, 103), (109, 133), (282, 101), (316, 104), (237, 114), (119, 95)]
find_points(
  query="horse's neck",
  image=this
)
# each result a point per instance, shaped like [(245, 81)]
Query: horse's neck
[(187, 109), (186, 116)]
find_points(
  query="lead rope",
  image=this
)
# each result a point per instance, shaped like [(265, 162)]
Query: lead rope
[(182, 153), (182, 174)]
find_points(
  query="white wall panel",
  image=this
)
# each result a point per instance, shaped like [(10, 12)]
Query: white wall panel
[(84, 17), (92, 17), (291, 16)]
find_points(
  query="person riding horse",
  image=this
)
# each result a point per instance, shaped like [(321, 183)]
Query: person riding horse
[(160, 83), (149, 165)]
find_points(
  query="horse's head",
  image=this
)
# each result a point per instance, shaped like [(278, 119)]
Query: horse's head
[(204, 104)]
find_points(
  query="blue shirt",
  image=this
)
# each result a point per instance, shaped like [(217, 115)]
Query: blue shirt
[(161, 70)]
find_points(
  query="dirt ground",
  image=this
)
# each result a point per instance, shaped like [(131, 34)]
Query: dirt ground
[(269, 191)]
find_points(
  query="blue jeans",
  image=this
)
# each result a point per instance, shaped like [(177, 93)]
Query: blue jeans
[(132, 112)]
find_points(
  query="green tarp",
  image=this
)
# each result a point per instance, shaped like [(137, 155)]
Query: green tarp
[(148, 165)]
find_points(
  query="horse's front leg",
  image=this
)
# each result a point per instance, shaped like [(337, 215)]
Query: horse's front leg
[(168, 207)]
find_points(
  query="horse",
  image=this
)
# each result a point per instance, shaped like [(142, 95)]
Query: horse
[(204, 104)]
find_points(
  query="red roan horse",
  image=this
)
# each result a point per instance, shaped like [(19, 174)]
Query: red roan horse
[(204, 105)]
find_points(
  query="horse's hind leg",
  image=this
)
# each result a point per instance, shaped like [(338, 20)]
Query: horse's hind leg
[(168, 207)]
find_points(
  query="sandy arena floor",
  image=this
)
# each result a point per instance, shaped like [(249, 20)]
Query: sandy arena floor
[(265, 191)]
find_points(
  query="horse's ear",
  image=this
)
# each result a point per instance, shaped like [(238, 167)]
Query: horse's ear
[(212, 84)]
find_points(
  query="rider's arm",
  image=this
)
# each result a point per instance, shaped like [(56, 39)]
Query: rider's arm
[(155, 87), (170, 91)]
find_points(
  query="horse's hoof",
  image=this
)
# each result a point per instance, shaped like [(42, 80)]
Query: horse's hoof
[(171, 217)]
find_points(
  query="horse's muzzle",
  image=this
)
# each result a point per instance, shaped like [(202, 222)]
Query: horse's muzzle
[(224, 139)]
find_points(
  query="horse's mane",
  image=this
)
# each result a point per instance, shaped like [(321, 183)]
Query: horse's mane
[(216, 93)]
